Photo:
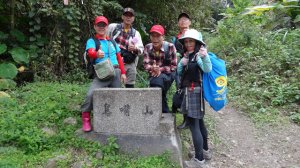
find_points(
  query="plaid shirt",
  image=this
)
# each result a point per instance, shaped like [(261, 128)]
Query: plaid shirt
[(123, 38), (150, 55)]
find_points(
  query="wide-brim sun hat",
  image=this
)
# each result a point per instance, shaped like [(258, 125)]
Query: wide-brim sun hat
[(193, 34)]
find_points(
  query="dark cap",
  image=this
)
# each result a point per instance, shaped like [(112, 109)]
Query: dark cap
[(128, 10), (183, 14)]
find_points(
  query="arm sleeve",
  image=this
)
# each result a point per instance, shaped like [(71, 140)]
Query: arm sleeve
[(146, 61), (91, 48), (205, 63), (92, 53), (120, 62), (110, 30), (139, 45), (180, 68)]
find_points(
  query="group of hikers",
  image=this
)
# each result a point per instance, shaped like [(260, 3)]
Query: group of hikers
[(121, 44)]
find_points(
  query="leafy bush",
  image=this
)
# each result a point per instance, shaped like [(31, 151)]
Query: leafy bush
[(14, 54), (263, 65)]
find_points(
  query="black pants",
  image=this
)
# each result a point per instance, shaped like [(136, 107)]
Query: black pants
[(199, 135), (164, 81)]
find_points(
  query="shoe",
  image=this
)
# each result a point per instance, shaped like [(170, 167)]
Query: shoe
[(184, 124), (207, 154), (195, 163), (86, 122)]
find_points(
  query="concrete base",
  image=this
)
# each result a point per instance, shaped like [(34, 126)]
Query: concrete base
[(146, 144)]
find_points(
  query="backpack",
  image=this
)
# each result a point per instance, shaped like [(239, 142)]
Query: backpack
[(88, 62), (118, 30), (128, 57), (215, 83)]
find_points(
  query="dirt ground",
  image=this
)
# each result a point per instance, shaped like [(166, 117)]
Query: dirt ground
[(247, 146), (244, 145)]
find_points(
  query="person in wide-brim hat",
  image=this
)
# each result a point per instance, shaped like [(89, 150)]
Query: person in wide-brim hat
[(194, 63), (193, 34)]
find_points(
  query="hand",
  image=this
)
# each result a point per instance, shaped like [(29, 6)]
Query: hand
[(131, 48), (155, 71), (100, 53), (184, 61), (123, 78), (203, 52)]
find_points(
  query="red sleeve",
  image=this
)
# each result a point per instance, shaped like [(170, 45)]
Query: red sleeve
[(92, 53), (121, 64)]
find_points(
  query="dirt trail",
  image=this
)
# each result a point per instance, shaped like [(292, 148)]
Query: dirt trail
[(246, 146)]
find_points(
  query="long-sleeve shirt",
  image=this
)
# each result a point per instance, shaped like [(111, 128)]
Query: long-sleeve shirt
[(203, 63), (159, 56), (123, 40), (113, 53)]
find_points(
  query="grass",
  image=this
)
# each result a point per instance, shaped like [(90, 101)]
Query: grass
[(23, 143)]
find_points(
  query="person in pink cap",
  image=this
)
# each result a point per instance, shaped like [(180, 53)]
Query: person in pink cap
[(160, 62), (100, 48)]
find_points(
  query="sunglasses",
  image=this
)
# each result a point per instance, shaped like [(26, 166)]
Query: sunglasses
[(127, 14), (101, 24)]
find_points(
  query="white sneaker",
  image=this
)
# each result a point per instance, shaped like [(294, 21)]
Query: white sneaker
[(195, 163), (207, 154)]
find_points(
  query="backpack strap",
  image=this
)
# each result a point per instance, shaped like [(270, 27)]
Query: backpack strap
[(132, 32), (117, 31), (97, 43), (114, 43), (166, 50)]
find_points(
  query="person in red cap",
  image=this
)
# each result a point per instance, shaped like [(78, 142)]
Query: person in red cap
[(100, 48), (160, 62), (130, 42)]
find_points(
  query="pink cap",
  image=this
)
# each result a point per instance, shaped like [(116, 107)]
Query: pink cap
[(158, 29), (101, 19)]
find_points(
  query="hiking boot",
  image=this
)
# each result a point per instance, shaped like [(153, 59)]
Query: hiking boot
[(184, 124), (207, 154), (195, 163), (86, 122)]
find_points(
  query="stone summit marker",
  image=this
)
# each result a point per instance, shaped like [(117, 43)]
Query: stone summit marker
[(134, 116)]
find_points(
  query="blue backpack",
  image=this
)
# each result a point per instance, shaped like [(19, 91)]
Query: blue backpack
[(215, 83)]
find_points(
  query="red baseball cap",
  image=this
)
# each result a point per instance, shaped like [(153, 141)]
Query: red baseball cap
[(99, 19), (158, 29)]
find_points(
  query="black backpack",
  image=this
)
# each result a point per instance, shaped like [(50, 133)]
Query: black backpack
[(88, 62)]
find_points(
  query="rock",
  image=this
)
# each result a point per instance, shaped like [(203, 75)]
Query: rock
[(48, 131), (70, 121), (52, 163), (77, 165), (99, 155)]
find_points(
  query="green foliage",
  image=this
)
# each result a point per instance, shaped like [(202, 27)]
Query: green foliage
[(263, 66), (13, 53), (112, 147), (8, 70), (20, 55)]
